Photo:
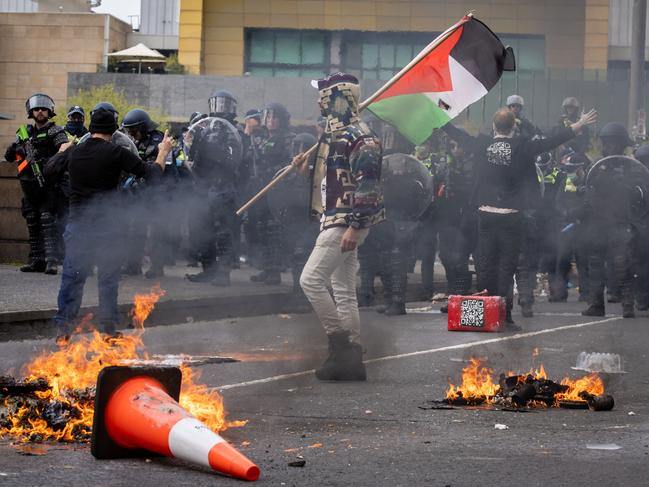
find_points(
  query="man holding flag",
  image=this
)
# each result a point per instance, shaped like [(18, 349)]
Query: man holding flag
[(346, 194)]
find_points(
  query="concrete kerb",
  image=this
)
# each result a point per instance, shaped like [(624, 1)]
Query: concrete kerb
[(24, 325)]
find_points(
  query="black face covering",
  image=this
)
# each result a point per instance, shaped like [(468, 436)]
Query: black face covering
[(74, 128)]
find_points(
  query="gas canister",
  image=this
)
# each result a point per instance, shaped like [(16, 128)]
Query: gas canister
[(476, 313)]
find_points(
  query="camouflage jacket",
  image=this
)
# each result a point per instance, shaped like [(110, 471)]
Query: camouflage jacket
[(345, 179)]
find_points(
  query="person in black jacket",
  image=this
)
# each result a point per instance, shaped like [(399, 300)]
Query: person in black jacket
[(93, 236), (505, 165)]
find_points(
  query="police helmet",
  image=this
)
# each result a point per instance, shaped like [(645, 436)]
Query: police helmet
[(222, 103), (138, 117), (615, 130), (642, 154), (253, 113), (279, 111), (544, 161), (302, 142), (195, 117), (40, 100), (78, 110), (571, 101), (515, 100)]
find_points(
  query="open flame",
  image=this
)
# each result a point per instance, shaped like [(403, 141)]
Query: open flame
[(72, 371), (591, 383), (478, 385), (143, 304)]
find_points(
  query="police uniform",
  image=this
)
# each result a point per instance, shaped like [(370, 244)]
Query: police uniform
[(39, 202)]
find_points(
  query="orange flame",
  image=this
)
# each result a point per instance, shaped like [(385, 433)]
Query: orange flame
[(591, 383), (143, 305), (72, 371), (476, 383)]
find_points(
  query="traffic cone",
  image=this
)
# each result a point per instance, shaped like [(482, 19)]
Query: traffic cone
[(136, 412)]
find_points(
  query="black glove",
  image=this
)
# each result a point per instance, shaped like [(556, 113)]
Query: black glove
[(10, 153)]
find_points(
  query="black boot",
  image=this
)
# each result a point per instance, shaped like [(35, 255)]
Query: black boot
[(329, 370), (36, 266), (345, 360), (51, 268), (526, 310), (206, 275), (594, 310), (395, 309)]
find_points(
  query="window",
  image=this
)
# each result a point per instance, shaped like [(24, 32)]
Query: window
[(285, 52), (380, 55), (529, 52)]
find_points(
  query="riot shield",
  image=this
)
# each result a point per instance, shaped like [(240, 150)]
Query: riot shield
[(618, 188), (211, 141), (408, 187)]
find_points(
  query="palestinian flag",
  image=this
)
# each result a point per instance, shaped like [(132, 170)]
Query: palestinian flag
[(443, 80)]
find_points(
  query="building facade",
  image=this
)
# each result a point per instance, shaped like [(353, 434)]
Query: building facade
[(373, 38), (37, 52)]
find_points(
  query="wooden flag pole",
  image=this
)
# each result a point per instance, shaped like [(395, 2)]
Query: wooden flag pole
[(362, 106)]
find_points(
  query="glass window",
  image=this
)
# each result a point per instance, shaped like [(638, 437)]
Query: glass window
[(261, 47), (382, 54), (286, 52), (529, 52)]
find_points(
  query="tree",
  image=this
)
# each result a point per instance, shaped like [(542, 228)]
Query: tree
[(172, 66), (87, 99)]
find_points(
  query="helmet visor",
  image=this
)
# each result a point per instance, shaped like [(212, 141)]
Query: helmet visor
[(40, 101), (222, 104)]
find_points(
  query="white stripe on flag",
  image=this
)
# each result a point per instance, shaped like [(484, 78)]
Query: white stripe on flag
[(466, 90)]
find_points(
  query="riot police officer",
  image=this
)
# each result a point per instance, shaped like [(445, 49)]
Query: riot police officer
[(143, 131), (524, 127), (76, 118), (610, 199), (34, 145), (214, 146), (274, 154), (570, 114)]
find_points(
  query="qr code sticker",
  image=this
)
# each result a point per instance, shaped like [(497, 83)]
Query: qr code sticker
[(472, 313)]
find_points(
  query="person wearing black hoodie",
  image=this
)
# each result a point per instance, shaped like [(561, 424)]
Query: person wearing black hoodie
[(93, 233), (505, 168)]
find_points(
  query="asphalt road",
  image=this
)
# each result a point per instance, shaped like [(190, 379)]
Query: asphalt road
[(375, 433)]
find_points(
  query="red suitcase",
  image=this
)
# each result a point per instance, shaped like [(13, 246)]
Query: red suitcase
[(476, 313)]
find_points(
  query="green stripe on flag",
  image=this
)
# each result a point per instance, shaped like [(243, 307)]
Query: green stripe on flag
[(415, 116)]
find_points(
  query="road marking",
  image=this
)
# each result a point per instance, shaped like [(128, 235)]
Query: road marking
[(263, 381), (459, 346)]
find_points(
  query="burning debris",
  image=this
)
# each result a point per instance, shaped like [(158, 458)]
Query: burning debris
[(55, 400), (530, 390)]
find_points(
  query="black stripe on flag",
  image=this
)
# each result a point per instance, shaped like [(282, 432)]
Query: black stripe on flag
[(480, 52)]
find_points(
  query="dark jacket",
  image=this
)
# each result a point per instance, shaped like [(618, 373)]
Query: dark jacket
[(95, 168), (505, 167)]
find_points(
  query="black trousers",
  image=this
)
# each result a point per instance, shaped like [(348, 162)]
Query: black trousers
[(499, 241), (610, 244)]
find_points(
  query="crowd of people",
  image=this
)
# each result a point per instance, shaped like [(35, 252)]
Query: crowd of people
[(490, 205)]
